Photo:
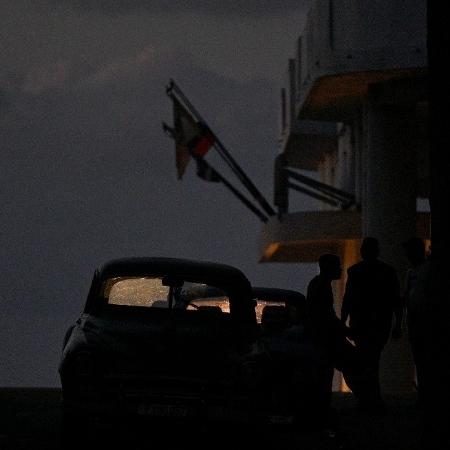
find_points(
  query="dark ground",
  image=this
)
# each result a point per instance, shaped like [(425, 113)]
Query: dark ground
[(31, 419)]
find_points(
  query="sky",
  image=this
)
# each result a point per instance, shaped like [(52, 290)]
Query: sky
[(87, 174)]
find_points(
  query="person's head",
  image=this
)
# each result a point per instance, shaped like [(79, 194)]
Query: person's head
[(414, 250), (370, 249), (330, 266)]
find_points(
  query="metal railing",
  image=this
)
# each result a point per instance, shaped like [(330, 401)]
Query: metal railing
[(286, 178)]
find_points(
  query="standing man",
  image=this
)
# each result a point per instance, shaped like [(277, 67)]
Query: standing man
[(327, 331), (416, 294), (371, 299)]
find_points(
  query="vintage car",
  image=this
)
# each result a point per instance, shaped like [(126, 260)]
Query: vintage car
[(142, 347), (285, 368), (289, 365), (170, 340)]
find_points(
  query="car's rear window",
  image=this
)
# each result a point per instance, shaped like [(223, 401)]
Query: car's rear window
[(136, 291), (151, 292)]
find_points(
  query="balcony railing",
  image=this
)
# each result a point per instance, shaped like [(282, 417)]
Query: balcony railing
[(286, 179)]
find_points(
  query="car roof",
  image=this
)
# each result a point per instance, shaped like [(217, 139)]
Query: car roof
[(144, 266), (275, 294), (228, 278)]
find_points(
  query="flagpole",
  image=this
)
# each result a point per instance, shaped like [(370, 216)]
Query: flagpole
[(208, 173), (243, 199), (243, 177)]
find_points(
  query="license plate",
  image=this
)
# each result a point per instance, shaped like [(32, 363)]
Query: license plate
[(156, 410), (281, 420)]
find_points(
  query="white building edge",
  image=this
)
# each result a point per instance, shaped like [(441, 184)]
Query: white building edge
[(355, 110)]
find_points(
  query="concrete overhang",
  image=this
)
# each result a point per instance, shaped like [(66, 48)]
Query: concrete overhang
[(307, 142), (336, 96), (347, 46), (304, 236)]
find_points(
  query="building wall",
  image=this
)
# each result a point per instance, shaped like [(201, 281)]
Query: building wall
[(376, 158), (360, 64), (369, 24)]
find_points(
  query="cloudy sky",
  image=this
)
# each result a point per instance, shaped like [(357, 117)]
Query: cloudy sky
[(87, 174)]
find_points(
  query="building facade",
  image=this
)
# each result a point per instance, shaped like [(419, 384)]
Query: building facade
[(354, 114)]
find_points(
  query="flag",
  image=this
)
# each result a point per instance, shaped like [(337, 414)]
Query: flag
[(192, 138), (206, 172)]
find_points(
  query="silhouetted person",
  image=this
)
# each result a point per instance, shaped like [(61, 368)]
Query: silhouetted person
[(371, 299), (326, 328), (416, 295)]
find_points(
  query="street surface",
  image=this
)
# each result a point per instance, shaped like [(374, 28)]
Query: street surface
[(31, 419)]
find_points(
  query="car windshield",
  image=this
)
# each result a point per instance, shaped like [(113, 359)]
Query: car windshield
[(202, 296), (152, 292)]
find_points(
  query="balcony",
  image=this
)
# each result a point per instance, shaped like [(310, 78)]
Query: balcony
[(347, 48), (303, 142), (304, 236), (348, 45)]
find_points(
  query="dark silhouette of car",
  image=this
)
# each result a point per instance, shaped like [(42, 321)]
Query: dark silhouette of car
[(164, 340), (285, 367), (143, 348), (289, 366)]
